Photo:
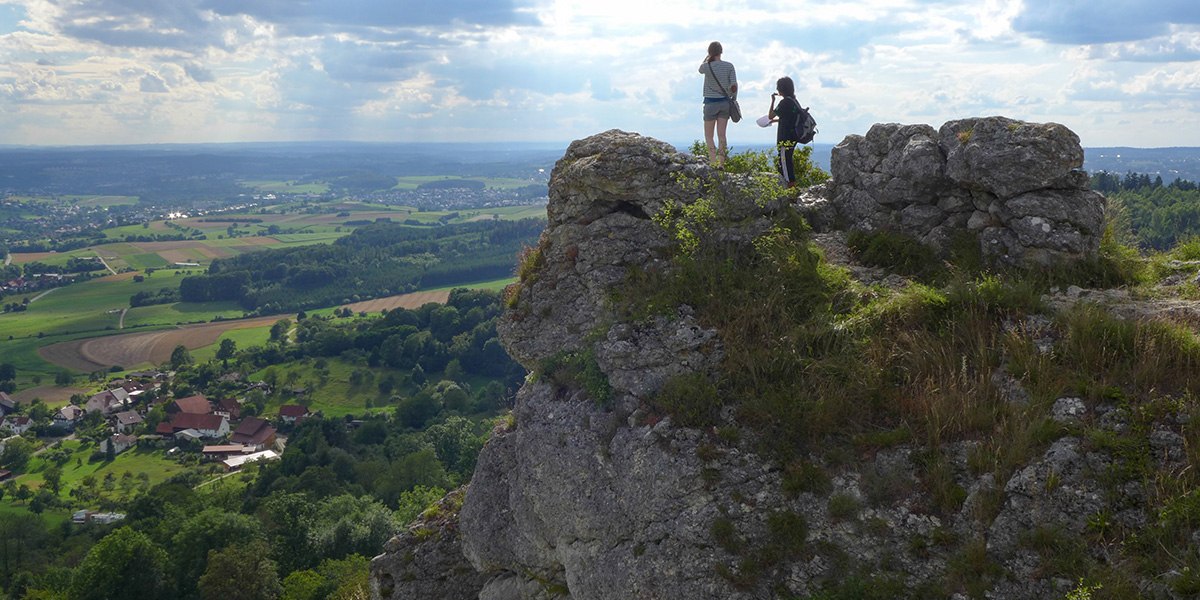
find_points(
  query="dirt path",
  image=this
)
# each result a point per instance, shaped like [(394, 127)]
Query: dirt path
[(39, 296), (105, 263)]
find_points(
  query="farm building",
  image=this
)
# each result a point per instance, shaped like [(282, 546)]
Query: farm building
[(235, 463)]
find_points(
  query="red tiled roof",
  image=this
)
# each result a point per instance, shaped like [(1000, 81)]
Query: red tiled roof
[(292, 410), (193, 421), (252, 431), (230, 405), (197, 405)]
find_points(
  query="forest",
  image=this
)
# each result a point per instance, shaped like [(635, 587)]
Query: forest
[(377, 260), (1159, 215), (302, 527)]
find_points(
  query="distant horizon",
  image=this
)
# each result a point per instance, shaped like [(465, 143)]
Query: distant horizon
[(533, 144)]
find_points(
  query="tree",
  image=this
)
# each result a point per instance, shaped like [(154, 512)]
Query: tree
[(180, 357), (240, 572), (210, 529), (345, 525), (304, 585), (53, 478), (279, 331), (7, 371), (16, 454), (226, 351), (125, 564)]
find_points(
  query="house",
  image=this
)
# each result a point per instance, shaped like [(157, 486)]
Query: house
[(223, 451), (68, 416), (290, 413), (208, 425), (189, 435), (121, 442), (107, 402), (90, 516), (7, 405), (196, 405), (234, 463), (16, 424), (229, 408), (126, 421), (254, 432), (134, 389), (259, 385)]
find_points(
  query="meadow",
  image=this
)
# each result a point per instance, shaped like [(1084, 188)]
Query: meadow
[(116, 481), (100, 306)]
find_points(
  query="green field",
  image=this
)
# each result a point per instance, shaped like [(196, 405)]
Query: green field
[(244, 338), (332, 394), (286, 187), (88, 306), (180, 313), (501, 183), (101, 200), (78, 465)]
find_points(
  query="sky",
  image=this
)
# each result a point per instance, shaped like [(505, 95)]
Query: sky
[(1117, 72)]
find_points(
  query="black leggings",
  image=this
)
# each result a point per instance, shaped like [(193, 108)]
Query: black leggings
[(785, 166)]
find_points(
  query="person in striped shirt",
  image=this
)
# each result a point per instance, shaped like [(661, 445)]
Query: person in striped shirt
[(720, 84)]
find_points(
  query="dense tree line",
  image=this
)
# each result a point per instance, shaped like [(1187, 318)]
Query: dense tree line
[(301, 527), (147, 298), (74, 265), (1159, 215), (377, 260)]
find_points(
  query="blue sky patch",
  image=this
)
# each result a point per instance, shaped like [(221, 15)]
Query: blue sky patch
[(9, 16)]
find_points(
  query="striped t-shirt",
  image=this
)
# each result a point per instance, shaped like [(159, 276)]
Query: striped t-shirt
[(727, 76)]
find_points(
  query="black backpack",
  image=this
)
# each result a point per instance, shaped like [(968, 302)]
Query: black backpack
[(806, 125)]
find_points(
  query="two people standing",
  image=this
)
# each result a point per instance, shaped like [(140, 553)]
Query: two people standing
[(720, 87)]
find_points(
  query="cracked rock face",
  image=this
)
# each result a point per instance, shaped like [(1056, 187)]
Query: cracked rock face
[(578, 500), (1014, 186)]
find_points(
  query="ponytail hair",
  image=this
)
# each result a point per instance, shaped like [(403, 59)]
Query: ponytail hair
[(714, 50)]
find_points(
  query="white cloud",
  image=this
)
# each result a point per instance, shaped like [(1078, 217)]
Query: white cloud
[(212, 70)]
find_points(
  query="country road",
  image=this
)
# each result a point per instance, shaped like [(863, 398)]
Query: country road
[(39, 296), (105, 263)]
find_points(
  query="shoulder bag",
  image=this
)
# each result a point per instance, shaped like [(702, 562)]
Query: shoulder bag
[(735, 111)]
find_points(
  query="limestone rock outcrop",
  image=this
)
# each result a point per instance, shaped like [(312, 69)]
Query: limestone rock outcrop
[(596, 498), (1014, 186)]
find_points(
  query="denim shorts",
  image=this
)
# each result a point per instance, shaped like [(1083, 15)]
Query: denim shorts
[(716, 110)]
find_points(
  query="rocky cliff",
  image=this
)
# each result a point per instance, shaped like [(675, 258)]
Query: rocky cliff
[(638, 464)]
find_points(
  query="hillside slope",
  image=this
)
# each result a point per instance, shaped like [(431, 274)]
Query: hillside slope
[(905, 403)]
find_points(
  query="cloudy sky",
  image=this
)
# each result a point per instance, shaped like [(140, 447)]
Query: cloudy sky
[(1118, 72)]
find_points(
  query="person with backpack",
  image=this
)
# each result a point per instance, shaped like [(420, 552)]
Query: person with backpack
[(720, 101), (796, 126)]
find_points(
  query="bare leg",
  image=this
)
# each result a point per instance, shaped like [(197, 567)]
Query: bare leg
[(709, 126), (722, 123)]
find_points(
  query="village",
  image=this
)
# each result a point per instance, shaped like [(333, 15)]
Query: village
[(129, 413)]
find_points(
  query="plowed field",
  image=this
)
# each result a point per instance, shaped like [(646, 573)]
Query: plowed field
[(155, 347), (409, 301), (130, 349)]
